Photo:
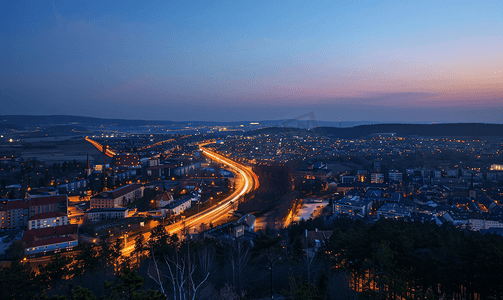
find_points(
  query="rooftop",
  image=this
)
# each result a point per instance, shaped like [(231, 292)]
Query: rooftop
[(50, 241), (35, 234), (118, 192), (107, 209), (47, 215), (48, 200)]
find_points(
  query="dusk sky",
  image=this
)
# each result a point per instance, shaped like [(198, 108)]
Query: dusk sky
[(387, 61)]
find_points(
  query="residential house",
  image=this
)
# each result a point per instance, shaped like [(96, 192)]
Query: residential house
[(163, 199), (180, 205), (248, 222)]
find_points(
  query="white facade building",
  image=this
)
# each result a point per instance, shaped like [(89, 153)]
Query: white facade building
[(45, 220), (99, 214), (478, 224)]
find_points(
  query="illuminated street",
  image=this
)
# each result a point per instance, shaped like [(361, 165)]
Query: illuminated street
[(108, 152), (246, 181)]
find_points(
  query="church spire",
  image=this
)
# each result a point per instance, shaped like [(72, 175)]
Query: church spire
[(87, 171)]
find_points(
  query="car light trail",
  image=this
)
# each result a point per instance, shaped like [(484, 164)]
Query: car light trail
[(246, 182)]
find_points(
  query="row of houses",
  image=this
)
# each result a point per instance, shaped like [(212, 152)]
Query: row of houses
[(112, 204), (45, 217), (19, 213)]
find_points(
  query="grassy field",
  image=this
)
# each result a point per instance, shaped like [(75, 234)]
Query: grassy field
[(53, 150)]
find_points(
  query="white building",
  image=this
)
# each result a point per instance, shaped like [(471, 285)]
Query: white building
[(99, 214), (478, 224), (50, 219), (44, 241), (352, 206), (395, 176), (180, 205)]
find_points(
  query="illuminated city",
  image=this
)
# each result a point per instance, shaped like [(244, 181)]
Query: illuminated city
[(251, 150)]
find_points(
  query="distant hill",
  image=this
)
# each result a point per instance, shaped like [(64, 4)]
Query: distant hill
[(426, 130), (37, 120), (65, 130), (19, 122), (32, 121), (274, 130)]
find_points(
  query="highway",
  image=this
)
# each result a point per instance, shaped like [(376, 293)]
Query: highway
[(245, 182), (108, 152)]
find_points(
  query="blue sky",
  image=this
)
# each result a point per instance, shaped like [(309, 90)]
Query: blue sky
[(231, 60)]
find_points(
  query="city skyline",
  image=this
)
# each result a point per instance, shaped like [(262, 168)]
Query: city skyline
[(367, 61)]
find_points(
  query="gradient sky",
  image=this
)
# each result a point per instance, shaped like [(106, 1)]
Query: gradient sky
[(394, 61)]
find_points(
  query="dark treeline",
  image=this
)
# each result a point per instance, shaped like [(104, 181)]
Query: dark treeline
[(410, 260), (454, 129), (275, 191), (385, 260), (361, 131)]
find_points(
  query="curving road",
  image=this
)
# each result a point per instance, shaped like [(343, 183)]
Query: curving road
[(245, 182)]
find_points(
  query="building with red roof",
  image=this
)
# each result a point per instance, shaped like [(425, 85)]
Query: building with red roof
[(119, 197), (48, 204), (50, 240), (14, 214)]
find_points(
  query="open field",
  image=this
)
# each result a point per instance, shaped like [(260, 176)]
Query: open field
[(55, 150)]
